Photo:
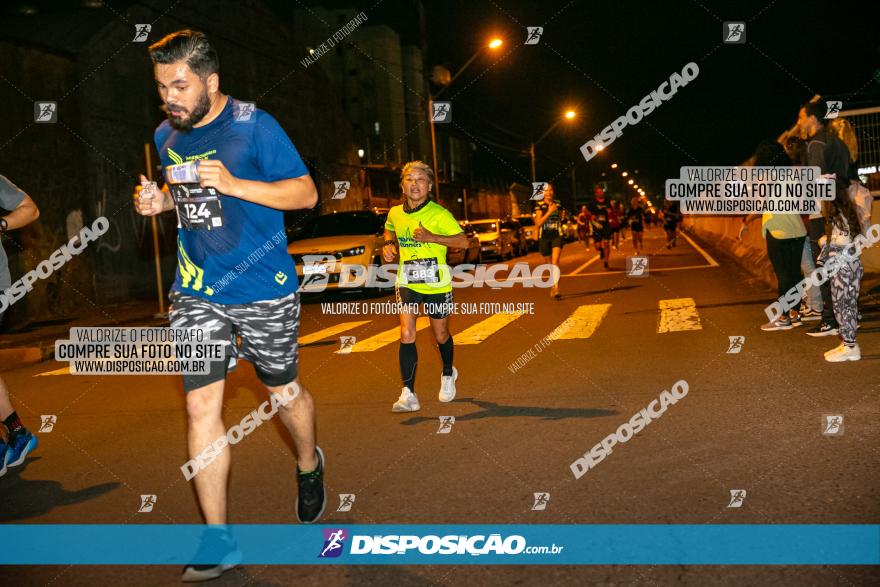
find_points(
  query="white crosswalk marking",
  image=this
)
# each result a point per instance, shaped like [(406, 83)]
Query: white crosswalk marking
[(583, 322), (484, 329), (678, 315), (385, 338), (330, 332)]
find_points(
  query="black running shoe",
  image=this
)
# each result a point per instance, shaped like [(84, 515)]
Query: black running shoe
[(311, 501), (823, 329), (217, 554)]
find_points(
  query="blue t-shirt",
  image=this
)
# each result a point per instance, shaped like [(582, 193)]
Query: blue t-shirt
[(243, 257)]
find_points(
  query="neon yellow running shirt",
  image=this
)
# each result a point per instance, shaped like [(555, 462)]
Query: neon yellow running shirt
[(422, 265)]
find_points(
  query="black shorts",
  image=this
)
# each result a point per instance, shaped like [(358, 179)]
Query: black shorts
[(550, 239), (268, 331), (602, 234), (437, 306), (637, 227)]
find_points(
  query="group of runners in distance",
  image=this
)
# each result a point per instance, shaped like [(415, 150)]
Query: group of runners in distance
[(248, 174)]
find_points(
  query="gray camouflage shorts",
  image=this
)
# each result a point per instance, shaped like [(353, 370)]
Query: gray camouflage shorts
[(268, 331)]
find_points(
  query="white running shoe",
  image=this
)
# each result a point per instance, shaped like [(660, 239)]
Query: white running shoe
[(843, 353), (447, 386), (407, 402)]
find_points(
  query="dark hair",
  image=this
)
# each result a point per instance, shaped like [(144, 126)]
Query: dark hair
[(796, 148), (815, 109), (841, 209), (769, 152), (191, 46)]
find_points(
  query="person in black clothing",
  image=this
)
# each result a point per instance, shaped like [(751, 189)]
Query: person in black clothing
[(548, 219), (830, 155), (671, 218), (601, 219), (636, 218)]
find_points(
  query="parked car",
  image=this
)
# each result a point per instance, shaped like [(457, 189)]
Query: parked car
[(352, 238), (470, 255), (517, 236), (494, 240), (530, 230), (569, 227)]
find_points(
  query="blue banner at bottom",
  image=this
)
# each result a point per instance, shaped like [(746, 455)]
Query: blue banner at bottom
[(94, 544)]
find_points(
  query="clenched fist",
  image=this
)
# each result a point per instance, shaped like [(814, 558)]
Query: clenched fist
[(149, 200)]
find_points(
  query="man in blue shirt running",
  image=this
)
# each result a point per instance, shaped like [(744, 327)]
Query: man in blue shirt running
[(234, 276)]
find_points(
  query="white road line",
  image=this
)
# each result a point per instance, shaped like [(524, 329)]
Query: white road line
[(330, 332), (484, 329), (678, 315), (706, 255), (583, 322)]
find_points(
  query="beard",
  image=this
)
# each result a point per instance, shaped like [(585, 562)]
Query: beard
[(203, 106)]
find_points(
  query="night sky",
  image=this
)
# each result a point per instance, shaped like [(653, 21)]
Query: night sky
[(603, 57)]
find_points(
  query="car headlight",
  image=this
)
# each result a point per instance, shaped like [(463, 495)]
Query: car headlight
[(353, 252)]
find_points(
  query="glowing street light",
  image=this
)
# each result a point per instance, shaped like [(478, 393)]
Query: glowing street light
[(493, 44), (614, 166), (625, 173), (630, 182), (568, 115)]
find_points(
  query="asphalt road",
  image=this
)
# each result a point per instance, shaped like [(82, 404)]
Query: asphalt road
[(751, 420)]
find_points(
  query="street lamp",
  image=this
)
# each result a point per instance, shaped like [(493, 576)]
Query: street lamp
[(569, 115), (625, 173), (493, 44)]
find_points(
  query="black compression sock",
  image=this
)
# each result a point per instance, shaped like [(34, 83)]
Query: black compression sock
[(409, 360), (446, 352), (12, 423)]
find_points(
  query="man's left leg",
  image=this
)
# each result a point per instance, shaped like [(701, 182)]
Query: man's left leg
[(446, 346), (270, 331)]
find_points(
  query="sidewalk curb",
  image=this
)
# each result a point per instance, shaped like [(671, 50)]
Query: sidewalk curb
[(18, 357)]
